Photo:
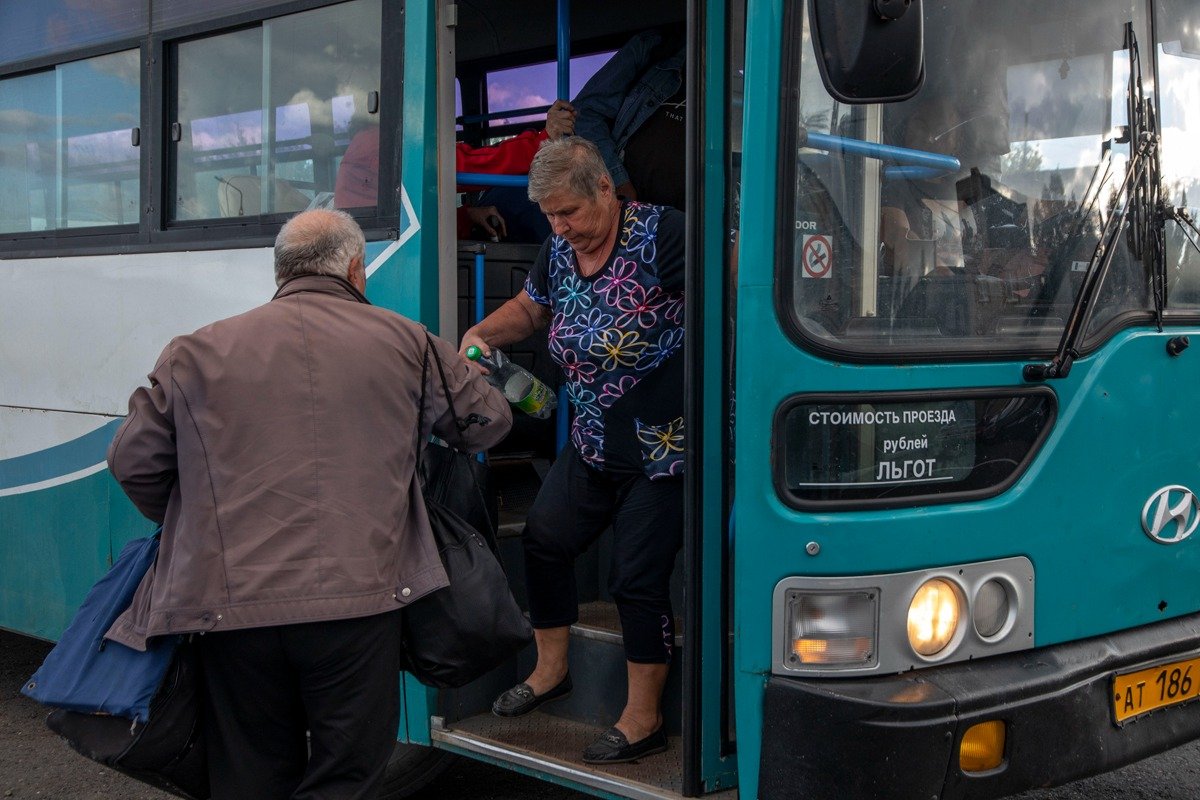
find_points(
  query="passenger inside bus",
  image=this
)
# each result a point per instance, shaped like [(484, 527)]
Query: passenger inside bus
[(939, 232), (920, 212), (497, 206), (357, 176), (634, 109)]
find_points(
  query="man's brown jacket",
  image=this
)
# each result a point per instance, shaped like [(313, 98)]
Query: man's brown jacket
[(278, 450)]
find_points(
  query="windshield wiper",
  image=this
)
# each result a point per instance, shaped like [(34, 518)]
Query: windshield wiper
[(1141, 188)]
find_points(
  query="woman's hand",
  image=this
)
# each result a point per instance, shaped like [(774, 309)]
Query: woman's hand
[(472, 339), (560, 119)]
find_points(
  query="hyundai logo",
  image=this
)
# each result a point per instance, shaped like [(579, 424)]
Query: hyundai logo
[(1177, 504)]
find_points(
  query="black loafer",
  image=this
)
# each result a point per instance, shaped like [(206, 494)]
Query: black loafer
[(521, 700), (613, 748)]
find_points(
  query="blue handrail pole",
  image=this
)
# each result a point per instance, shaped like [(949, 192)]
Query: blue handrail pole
[(479, 284), (884, 152), (516, 112), (480, 249), (483, 179), (564, 49)]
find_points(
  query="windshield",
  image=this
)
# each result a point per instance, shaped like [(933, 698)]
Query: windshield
[(969, 231)]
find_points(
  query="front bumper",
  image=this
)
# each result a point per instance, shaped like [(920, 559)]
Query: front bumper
[(898, 736)]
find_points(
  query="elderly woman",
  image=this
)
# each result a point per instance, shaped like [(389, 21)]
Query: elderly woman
[(609, 283)]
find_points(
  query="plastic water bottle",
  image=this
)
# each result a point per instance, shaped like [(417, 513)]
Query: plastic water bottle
[(518, 384)]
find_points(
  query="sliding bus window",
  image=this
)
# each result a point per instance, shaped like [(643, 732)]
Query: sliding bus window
[(307, 87), (67, 157), (517, 89)]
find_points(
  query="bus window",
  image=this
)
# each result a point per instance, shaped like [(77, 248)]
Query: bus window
[(29, 30), (83, 171), (976, 234), (534, 85), (319, 70)]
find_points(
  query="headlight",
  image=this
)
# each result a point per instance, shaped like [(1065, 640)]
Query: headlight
[(831, 629), (933, 616), (845, 625)]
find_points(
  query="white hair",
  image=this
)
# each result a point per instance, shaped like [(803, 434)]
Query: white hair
[(318, 242)]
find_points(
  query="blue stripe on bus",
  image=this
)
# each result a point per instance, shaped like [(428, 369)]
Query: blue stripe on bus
[(62, 459)]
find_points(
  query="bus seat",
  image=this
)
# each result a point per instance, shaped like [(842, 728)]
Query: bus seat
[(961, 303), (241, 196)]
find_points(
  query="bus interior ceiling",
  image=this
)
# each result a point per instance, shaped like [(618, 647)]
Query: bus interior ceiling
[(494, 38), (511, 33)]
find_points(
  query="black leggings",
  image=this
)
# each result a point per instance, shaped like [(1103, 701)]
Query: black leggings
[(575, 505)]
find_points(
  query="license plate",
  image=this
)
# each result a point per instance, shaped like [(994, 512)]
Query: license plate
[(1137, 693)]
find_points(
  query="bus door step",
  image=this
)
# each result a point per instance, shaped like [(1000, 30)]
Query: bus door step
[(552, 746)]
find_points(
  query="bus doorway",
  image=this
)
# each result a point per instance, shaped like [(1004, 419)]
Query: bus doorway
[(505, 73)]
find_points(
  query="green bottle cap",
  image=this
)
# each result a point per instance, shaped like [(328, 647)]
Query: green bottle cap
[(474, 353)]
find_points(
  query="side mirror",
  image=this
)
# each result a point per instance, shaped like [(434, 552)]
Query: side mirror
[(869, 51)]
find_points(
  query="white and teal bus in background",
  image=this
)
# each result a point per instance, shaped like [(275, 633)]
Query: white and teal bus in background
[(940, 252)]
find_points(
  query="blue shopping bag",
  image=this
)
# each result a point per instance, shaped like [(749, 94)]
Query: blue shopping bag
[(85, 672)]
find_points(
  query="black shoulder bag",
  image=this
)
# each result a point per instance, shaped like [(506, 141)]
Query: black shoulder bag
[(457, 633)]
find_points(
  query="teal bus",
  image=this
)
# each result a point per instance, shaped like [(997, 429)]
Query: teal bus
[(942, 278)]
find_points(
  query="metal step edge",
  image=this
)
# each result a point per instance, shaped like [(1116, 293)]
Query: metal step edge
[(599, 634), (608, 636), (574, 774)]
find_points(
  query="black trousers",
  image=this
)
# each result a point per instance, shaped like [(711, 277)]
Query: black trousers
[(575, 505), (338, 680)]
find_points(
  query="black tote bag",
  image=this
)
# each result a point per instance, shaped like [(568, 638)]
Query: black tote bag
[(456, 634), (460, 484)]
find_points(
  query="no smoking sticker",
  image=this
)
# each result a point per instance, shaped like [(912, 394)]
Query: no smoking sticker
[(816, 256)]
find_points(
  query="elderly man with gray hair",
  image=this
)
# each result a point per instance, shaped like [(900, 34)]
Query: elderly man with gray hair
[(277, 449)]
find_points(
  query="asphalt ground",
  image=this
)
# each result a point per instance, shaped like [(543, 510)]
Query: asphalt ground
[(35, 763)]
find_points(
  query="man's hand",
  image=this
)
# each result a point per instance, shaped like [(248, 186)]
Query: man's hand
[(488, 218), (560, 119)]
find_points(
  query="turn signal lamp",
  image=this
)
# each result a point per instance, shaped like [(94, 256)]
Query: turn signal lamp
[(982, 747), (933, 616), (832, 629)]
